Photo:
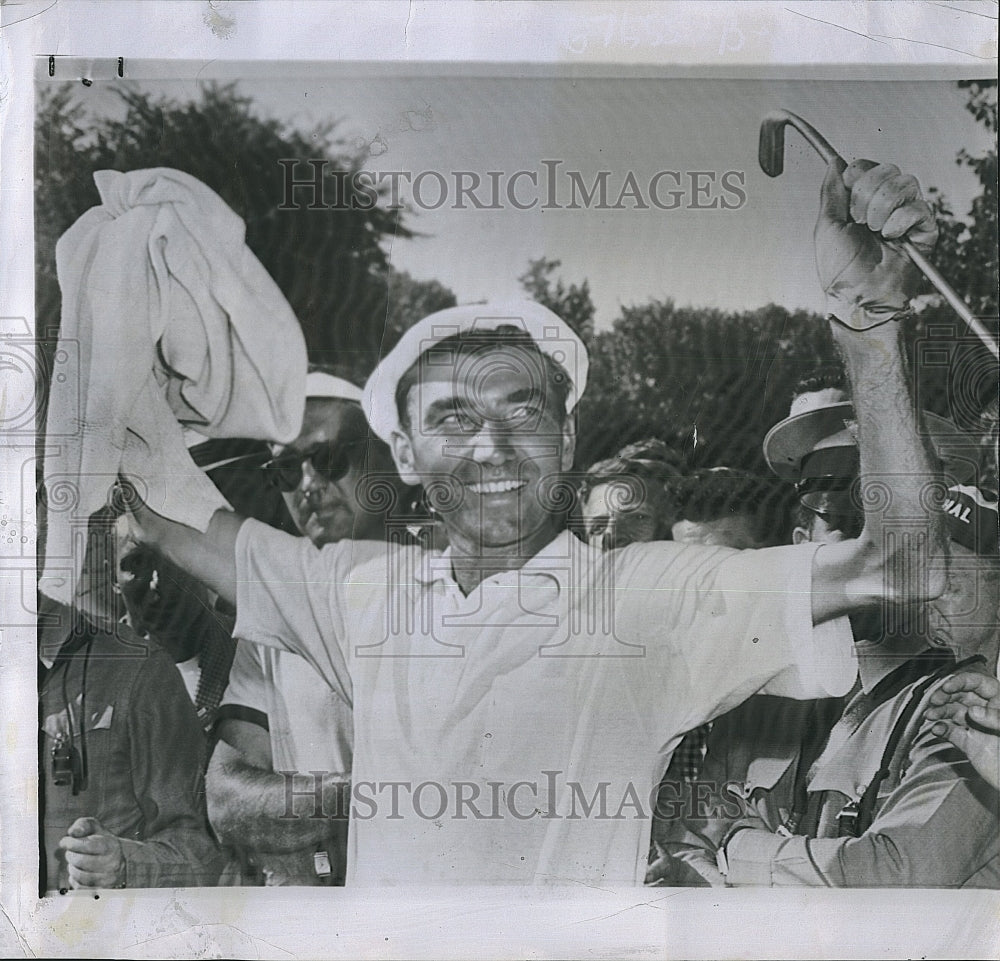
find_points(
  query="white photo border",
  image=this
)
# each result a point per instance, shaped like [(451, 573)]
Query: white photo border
[(820, 40)]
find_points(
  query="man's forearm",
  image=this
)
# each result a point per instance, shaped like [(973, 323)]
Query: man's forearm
[(261, 810), (937, 828), (899, 469), (208, 556), (759, 858)]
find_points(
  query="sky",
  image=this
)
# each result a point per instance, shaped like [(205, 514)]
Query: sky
[(736, 238)]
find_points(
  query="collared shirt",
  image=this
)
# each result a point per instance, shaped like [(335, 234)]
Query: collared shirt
[(937, 823), (518, 734), (757, 754), (877, 660), (133, 720)]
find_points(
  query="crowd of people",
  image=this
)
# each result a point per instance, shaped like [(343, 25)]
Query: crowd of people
[(422, 648)]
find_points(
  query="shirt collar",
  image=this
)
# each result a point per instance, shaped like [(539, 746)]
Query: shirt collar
[(874, 667), (553, 562)]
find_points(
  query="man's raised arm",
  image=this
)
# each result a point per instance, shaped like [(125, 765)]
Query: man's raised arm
[(866, 211), (208, 556)]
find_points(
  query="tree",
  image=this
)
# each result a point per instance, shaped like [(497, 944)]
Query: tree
[(572, 303), (407, 300), (967, 255), (410, 300), (711, 383), (708, 382), (967, 251), (329, 263)]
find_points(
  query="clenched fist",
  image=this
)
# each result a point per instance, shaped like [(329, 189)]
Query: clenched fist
[(93, 855), (866, 211)]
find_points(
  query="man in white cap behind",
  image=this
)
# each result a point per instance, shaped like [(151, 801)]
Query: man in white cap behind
[(279, 718), (517, 698)]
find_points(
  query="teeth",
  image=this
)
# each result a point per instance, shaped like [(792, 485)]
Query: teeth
[(496, 487)]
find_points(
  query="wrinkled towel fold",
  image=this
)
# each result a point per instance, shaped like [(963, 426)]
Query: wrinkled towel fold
[(176, 323)]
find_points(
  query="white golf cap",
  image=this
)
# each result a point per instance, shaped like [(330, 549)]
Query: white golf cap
[(321, 384), (552, 335)]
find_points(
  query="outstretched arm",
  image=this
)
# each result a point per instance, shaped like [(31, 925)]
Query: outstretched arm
[(866, 209), (890, 563), (208, 556)]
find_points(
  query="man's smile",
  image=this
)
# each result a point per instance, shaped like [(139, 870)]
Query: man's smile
[(496, 487)]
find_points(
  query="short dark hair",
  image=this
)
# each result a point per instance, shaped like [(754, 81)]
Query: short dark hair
[(711, 494), (649, 459), (652, 462), (472, 342)]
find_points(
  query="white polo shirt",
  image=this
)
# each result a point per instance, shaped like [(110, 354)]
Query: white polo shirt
[(517, 735)]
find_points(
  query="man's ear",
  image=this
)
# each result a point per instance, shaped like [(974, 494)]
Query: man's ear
[(801, 536), (402, 454)]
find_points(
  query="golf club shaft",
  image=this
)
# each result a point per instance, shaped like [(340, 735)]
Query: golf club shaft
[(958, 305)]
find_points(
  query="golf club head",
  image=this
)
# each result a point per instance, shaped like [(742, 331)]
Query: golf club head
[(771, 147), (771, 155)]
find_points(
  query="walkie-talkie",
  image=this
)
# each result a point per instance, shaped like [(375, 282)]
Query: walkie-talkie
[(67, 765)]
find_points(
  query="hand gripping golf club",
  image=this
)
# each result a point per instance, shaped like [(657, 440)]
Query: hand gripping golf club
[(772, 161)]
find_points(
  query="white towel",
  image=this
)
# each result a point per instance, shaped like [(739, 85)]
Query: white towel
[(175, 322)]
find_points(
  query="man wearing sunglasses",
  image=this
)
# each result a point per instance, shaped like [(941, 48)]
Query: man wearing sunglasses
[(518, 697), (321, 473), (279, 719)]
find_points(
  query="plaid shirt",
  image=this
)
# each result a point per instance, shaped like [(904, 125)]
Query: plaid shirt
[(685, 765)]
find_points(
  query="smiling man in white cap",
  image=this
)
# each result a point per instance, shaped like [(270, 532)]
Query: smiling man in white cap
[(517, 698), (476, 403)]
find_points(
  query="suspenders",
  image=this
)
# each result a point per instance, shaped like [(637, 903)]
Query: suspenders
[(857, 817)]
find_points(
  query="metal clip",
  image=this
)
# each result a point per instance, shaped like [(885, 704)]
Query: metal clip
[(847, 820)]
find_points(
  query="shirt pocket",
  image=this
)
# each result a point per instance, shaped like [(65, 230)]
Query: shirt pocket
[(91, 737)]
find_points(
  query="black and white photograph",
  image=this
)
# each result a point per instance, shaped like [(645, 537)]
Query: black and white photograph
[(486, 484)]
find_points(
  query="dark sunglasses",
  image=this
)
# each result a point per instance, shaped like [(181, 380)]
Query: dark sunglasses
[(330, 459)]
